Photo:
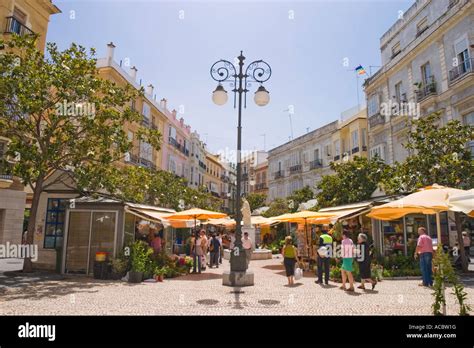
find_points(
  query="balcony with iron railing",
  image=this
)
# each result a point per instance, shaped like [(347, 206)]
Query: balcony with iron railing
[(337, 158), (202, 165), (145, 122), (296, 169), (245, 176), (317, 163), (425, 89), (464, 68), (278, 174), (14, 26), (261, 186), (376, 119), (355, 149), (178, 146)]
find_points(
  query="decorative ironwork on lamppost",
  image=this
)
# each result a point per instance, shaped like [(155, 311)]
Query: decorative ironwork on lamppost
[(256, 72)]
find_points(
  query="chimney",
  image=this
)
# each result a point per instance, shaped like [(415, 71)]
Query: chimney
[(110, 52), (163, 103), (133, 73), (149, 90), (181, 120), (174, 114)]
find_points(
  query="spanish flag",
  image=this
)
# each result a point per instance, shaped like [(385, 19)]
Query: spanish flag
[(360, 70)]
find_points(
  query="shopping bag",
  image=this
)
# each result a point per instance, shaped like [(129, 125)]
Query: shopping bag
[(298, 273)]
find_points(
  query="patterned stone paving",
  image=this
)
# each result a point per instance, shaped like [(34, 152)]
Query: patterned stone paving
[(204, 295)]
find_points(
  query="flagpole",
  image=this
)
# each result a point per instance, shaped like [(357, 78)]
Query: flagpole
[(357, 81)]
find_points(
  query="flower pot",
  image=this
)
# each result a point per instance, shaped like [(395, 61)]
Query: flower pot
[(135, 277)]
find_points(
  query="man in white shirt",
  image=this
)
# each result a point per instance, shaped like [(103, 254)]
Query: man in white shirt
[(248, 246)]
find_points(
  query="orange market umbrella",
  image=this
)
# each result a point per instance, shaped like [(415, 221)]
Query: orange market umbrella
[(302, 217), (196, 214), (428, 200)]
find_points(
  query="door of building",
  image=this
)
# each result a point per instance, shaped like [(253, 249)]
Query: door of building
[(89, 232)]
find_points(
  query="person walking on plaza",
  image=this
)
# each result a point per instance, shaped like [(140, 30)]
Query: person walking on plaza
[(347, 258), (424, 249), (363, 260), (205, 247), (290, 254), (196, 251), (214, 250), (324, 255), (221, 248), (248, 247)]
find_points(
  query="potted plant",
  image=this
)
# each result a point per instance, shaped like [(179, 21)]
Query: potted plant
[(119, 267), (159, 273), (139, 258)]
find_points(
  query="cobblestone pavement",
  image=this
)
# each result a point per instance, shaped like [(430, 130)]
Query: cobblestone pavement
[(204, 295)]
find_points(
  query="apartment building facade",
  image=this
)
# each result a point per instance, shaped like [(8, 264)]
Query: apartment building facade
[(249, 164), (25, 17), (197, 161), (305, 160), (300, 162), (228, 186), (18, 17), (261, 179), (351, 137), (176, 143), (427, 66)]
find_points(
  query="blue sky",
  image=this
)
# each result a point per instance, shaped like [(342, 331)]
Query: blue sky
[(174, 43)]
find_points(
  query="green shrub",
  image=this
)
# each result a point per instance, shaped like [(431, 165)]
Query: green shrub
[(140, 257)]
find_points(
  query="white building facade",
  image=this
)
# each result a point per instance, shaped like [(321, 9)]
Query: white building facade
[(427, 67)]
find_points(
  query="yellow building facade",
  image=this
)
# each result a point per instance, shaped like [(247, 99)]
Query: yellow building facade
[(350, 138), (25, 17)]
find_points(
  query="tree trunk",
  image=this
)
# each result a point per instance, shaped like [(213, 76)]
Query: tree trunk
[(457, 217), (27, 264)]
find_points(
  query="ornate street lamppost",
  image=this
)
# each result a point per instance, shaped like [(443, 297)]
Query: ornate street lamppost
[(224, 71)]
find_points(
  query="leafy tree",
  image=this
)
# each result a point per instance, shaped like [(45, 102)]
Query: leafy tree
[(60, 116), (438, 154), (278, 207), (162, 188), (256, 200), (300, 196), (353, 181)]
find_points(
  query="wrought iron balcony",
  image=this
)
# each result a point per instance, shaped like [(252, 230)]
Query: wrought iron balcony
[(465, 67), (14, 26), (245, 176), (261, 186), (337, 157), (317, 163), (278, 174), (296, 169), (145, 122), (426, 89), (355, 149), (202, 165), (376, 119)]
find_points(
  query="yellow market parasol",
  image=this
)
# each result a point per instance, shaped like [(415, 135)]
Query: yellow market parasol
[(428, 200), (463, 202), (196, 214), (302, 217)]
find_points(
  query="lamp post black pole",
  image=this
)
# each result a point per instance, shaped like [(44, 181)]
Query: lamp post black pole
[(238, 261), (256, 72)]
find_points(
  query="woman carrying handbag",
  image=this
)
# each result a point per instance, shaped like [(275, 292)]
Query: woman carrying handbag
[(290, 254)]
